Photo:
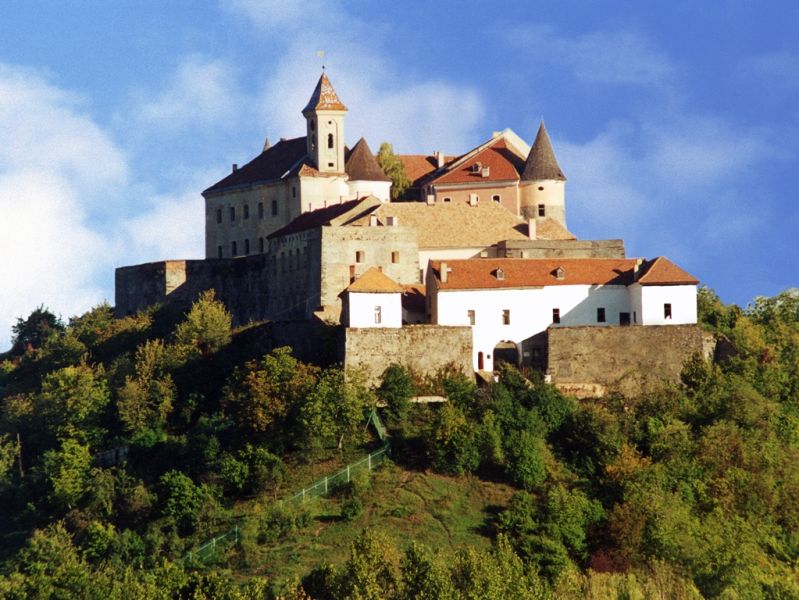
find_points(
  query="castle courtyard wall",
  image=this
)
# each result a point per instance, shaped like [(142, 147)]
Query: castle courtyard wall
[(424, 349), (592, 361)]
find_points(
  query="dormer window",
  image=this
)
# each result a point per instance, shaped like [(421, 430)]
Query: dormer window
[(559, 273), (500, 274)]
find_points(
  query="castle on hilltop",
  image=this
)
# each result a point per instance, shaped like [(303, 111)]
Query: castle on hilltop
[(477, 265)]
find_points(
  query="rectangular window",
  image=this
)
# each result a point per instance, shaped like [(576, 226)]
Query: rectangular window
[(360, 256), (246, 246), (246, 211), (219, 251), (506, 317), (667, 310), (233, 250), (274, 208), (600, 315), (232, 213), (542, 210), (470, 313), (260, 245), (378, 315), (218, 215), (395, 257), (260, 210), (293, 192), (496, 198), (556, 315)]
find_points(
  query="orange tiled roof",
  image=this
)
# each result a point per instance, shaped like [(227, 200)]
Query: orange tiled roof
[(661, 271), (502, 163), (375, 281), (482, 273), (324, 97), (550, 229), (417, 166)]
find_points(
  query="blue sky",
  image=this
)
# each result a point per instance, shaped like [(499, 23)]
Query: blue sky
[(676, 123)]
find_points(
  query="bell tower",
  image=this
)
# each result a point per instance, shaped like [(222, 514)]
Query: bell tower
[(324, 115)]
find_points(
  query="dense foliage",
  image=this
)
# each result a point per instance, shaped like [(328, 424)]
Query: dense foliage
[(124, 443)]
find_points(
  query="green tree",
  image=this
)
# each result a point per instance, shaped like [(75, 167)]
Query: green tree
[(393, 168), (207, 327), (31, 333), (371, 571), (72, 400), (66, 470), (396, 389), (526, 460), (453, 443), (180, 499), (424, 577)]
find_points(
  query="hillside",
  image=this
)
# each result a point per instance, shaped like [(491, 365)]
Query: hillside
[(126, 445)]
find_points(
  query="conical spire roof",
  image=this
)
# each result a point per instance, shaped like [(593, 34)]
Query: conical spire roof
[(362, 165), (541, 162), (324, 97)]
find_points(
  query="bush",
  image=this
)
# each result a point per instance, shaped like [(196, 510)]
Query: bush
[(396, 390), (526, 460), (281, 520), (351, 509)]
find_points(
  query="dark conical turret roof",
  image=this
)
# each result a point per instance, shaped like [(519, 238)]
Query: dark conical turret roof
[(324, 97), (361, 164), (541, 162)]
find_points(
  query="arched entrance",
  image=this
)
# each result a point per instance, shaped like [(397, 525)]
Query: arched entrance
[(506, 352)]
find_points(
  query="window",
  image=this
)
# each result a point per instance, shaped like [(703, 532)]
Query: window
[(260, 210), (313, 125), (329, 140), (260, 245), (447, 199), (395, 257), (247, 246), (246, 211), (233, 249), (600, 315), (667, 310), (378, 315), (506, 317), (330, 164), (470, 314), (218, 215), (360, 256), (500, 275), (556, 315), (293, 192), (496, 198), (232, 213), (219, 251), (274, 208), (542, 210), (540, 188)]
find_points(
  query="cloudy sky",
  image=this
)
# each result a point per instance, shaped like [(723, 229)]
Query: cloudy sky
[(677, 123)]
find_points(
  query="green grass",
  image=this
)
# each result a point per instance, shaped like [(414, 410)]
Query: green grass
[(443, 512)]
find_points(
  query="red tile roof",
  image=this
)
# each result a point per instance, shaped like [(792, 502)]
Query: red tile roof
[(324, 97), (502, 163), (374, 281), (661, 271), (271, 165), (489, 273), (417, 166)]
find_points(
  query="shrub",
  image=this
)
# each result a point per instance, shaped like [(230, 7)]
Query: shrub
[(351, 509)]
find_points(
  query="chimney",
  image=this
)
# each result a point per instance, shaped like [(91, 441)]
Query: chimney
[(439, 158), (485, 171), (235, 167), (372, 220), (266, 144), (531, 229), (431, 199), (444, 272), (473, 199), (637, 268)]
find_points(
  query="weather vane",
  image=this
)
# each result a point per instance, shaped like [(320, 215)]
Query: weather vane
[(321, 54)]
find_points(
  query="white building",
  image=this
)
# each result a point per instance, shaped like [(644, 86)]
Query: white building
[(509, 303), (374, 300)]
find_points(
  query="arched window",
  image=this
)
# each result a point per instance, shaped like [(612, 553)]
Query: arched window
[(329, 140)]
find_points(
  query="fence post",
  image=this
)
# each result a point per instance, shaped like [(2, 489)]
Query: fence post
[(325, 484), (348, 473), (370, 462), (303, 494)]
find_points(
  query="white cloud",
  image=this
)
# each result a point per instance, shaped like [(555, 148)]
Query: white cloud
[(202, 92), (385, 101), (612, 57), (56, 166)]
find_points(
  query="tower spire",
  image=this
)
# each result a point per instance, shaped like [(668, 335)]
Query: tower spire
[(541, 163)]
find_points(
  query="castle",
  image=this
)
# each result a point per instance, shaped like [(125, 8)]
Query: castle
[(477, 265)]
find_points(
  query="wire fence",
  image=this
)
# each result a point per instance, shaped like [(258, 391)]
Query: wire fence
[(321, 487)]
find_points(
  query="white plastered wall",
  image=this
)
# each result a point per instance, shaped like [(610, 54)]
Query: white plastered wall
[(363, 307), (653, 298)]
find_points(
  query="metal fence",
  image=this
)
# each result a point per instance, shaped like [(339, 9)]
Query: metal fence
[(331, 482), (319, 488)]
